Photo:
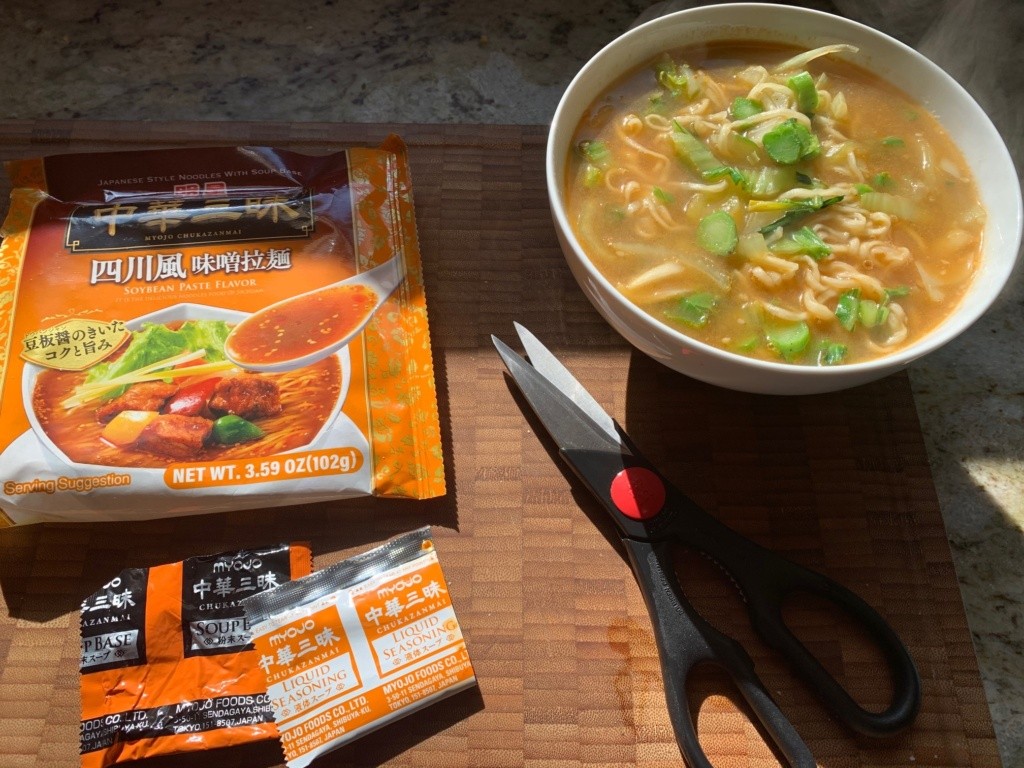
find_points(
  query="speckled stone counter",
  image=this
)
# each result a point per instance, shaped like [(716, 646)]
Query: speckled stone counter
[(461, 61)]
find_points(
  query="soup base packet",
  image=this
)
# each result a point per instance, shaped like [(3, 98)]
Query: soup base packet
[(358, 645), (167, 659)]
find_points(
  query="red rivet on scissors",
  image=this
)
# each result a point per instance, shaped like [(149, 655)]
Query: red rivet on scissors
[(638, 493)]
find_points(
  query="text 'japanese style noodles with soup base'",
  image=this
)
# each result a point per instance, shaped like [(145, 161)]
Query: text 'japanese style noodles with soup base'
[(782, 205)]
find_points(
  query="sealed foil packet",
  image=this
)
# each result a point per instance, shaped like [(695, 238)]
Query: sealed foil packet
[(358, 645), (205, 329), (167, 659)]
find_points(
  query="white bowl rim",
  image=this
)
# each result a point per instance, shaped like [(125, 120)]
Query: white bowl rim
[(956, 323)]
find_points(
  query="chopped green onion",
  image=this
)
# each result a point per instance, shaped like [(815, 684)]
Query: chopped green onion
[(716, 233), (790, 142), (831, 353), (664, 196), (897, 292), (789, 339), (694, 310), (742, 108), (846, 309), (894, 205), (892, 141), (795, 209), (802, 85), (862, 188)]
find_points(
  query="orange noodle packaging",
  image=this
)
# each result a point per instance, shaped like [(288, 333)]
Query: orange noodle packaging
[(193, 330), (167, 659), (358, 645)]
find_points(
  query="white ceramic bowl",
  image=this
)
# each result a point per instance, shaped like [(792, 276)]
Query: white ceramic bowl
[(918, 77)]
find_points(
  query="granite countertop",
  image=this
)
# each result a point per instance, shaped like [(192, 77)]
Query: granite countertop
[(460, 61)]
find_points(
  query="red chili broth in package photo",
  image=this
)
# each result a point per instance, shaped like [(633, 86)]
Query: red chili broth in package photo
[(205, 329)]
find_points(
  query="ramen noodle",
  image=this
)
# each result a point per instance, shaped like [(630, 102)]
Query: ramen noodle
[(782, 205), (195, 330), (167, 661)]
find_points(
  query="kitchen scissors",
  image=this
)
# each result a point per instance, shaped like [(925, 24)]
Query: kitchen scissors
[(651, 515)]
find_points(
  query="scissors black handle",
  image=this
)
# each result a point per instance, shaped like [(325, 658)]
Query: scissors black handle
[(684, 640), (766, 580)]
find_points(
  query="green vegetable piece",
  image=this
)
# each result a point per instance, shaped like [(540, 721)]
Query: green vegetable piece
[(788, 340), (678, 79), (871, 313), (809, 243), (665, 197), (896, 292), (596, 152), (742, 108), (790, 142), (797, 209), (846, 309), (863, 188), (156, 342), (831, 353), (892, 141), (694, 310), (802, 85), (232, 429), (770, 181), (717, 234), (692, 151), (883, 181), (592, 176)]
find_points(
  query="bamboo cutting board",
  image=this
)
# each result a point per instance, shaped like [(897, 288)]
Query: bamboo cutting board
[(558, 633)]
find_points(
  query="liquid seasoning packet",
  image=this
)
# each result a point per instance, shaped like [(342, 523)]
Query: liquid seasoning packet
[(167, 658), (205, 329), (358, 645)]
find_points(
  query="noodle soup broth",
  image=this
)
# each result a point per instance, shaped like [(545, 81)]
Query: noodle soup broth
[(785, 209)]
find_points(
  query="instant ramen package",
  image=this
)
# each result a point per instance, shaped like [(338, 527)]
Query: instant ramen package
[(194, 330)]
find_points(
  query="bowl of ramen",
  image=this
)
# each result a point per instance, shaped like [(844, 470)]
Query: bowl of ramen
[(170, 394), (777, 200)]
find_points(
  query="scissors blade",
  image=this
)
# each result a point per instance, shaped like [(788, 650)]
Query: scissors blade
[(542, 359), (569, 425)]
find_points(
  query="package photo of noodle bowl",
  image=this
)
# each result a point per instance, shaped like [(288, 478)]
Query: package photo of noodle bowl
[(186, 420), (213, 349)]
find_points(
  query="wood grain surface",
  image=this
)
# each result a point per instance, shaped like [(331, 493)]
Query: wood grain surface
[(567, 668)]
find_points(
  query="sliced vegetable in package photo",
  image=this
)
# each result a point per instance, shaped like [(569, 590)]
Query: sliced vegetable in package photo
[(205, 329)]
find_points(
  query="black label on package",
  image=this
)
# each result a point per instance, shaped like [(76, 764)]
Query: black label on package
[(132, 224), (113, 623), (212, 618), (183, 718)]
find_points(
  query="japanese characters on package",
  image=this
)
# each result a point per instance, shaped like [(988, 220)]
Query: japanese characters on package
[(167, 660), (357, 645), (195, 330)]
